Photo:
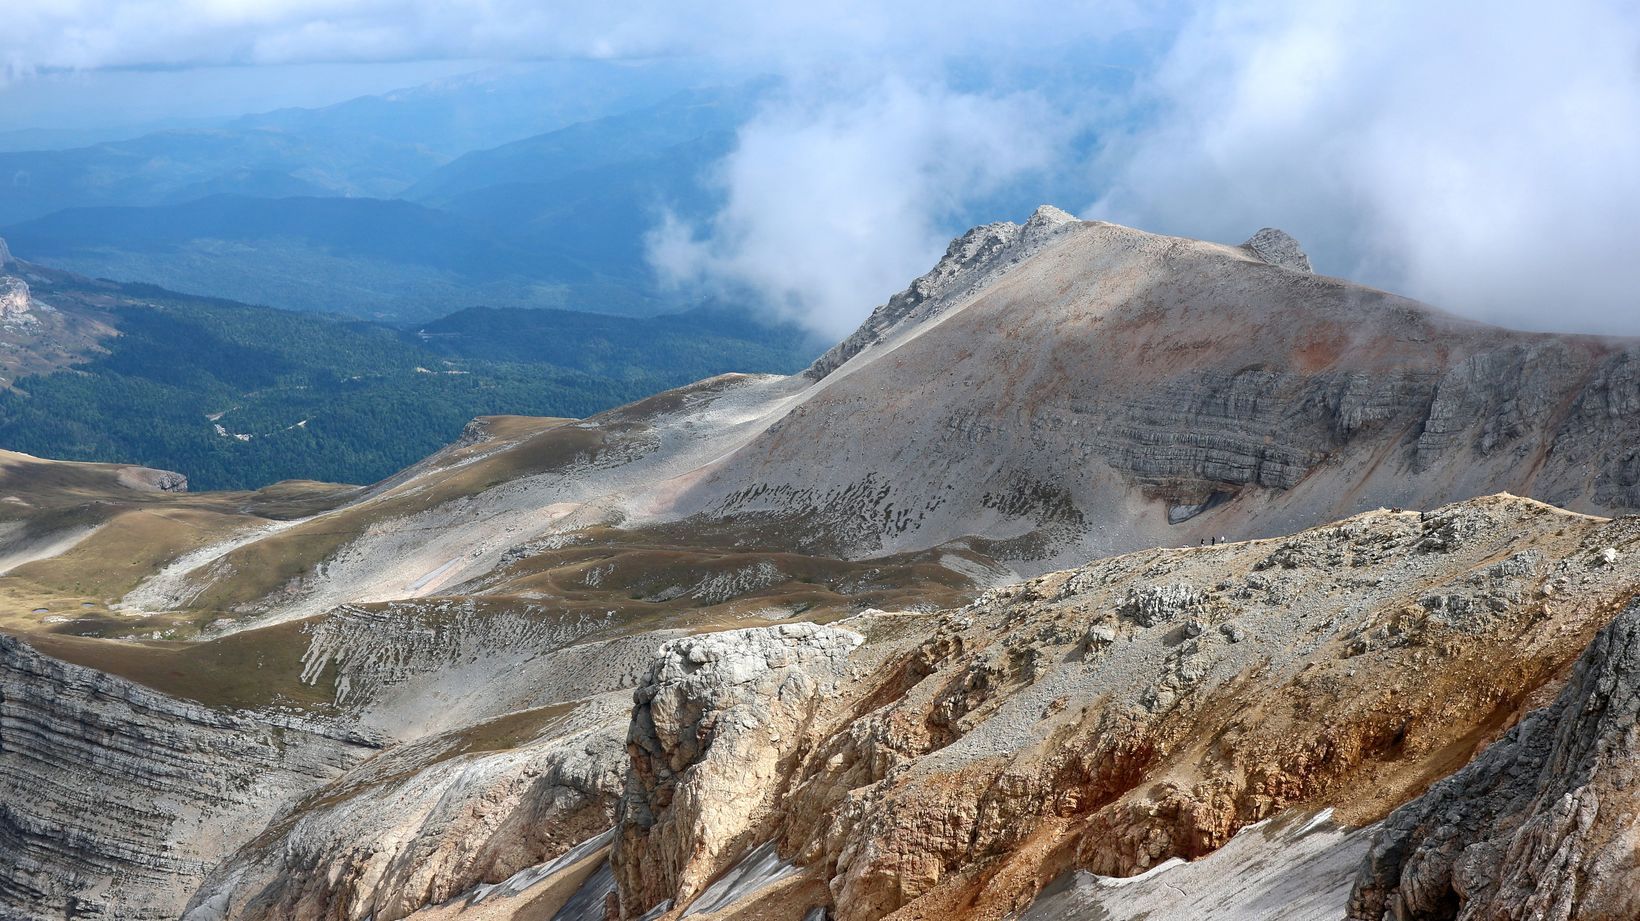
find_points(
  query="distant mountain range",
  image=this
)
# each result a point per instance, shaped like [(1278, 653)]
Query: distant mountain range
[(502, 191), (344, 210)]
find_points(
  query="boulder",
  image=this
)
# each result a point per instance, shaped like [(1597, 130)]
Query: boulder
[(1278, 248)]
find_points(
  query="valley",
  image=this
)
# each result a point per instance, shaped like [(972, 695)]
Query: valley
[(243, 396)]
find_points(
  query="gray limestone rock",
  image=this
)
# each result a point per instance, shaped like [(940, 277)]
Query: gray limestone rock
[(1541, 824), (1278, 248), (971, 262), (1150, 605), (14, 299)]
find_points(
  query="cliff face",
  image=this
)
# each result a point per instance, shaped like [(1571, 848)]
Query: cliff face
[(1541, 824), (115, 800), (715, 735), (1114, 389), (430, 821)]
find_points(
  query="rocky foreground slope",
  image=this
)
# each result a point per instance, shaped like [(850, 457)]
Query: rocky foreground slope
[(830, 646), (1094, 723)]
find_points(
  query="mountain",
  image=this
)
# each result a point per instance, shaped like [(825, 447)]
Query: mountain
[(370, 146), (161, 167), (557, 220), (479, 110), (595, 144), (831, 645), (361, 257), (239, 396)]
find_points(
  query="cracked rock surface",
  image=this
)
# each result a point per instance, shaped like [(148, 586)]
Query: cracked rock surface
[(1543, 824)]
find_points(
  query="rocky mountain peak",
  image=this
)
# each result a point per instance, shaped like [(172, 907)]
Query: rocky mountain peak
[(1278, 248), (1047, 218), (14, 298), (972, 261)]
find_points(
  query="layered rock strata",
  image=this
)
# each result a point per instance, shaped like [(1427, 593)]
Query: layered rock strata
[(115, 800)]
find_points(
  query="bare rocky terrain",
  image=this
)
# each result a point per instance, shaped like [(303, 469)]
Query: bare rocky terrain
[(1098, 575)]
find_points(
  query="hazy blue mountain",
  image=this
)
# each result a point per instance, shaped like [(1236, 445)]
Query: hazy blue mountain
[(371, 146), (480, 110), (155, 167), (556, 221), (595, 144)]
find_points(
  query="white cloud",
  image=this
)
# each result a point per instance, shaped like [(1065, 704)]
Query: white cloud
[(835, 201), (1485, 158)]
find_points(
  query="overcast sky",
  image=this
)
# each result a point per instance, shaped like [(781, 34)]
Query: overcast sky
[(1484, 157)]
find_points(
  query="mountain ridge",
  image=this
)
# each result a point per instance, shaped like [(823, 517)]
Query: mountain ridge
[(1091, 555)]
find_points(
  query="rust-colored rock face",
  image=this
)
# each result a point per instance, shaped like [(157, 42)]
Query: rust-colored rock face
[(1147, 707), (1542, 824)]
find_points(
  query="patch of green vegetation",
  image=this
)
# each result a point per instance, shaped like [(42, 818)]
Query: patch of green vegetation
[(238, 397), (257, 668)]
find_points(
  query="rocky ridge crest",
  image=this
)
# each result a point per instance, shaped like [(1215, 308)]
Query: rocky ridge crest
[(972, 261), (1278, 248)]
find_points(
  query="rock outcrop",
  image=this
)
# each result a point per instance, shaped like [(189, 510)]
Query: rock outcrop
[(15, 301), (151, 480), (972, 261), (1278, 248), (1544, 824), (716, 725), (115, 800)]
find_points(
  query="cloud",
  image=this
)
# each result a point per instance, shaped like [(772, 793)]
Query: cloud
[(833, 202), (83, 34), (1483, 158)]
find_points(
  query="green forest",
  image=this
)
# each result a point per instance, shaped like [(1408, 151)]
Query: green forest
[(327, 398)]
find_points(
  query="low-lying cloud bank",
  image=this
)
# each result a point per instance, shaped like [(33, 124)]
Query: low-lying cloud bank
[(1485, 158), (1482, 158), (832, 203)]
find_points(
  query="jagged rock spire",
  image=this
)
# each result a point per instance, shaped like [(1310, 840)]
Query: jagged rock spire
[(1278, 248)]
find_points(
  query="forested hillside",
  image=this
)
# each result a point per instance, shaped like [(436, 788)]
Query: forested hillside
[(237, 396)]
